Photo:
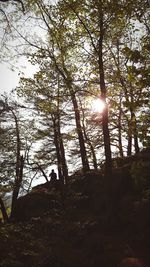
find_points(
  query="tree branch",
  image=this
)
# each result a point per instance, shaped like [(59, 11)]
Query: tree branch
[(19, 1)]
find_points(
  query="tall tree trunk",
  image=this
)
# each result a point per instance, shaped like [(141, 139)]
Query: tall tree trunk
[(62, 166), (17, 185), (132, 134), (57, 146), (108, 158), (88, 141), (120, 142), (119, 130), (3, 210), (83, 152), (135, 134), (62, 153), (68, 81), (120, 145), (94, 159), (133, 121), (129, 146), (60, 139), (15, 194), (136, 143), (107, 146), (19, 167), (64, 163)]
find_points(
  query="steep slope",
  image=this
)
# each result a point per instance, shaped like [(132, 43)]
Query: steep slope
[(73, 226)]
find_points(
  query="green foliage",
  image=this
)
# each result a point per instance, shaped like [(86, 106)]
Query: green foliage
[(66, 54), (140, 172)]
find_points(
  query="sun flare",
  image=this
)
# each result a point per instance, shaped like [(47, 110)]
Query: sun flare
[(98, 105)]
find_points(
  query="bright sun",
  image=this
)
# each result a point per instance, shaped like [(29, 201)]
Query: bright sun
[(98, 105)]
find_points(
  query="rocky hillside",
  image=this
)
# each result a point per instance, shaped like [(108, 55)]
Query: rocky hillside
[(78, 225)]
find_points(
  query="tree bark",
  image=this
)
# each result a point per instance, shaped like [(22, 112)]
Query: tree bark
[(17, 185), (68, 81), (64, 164), (136, 143), (88, 141), (135, 134), (106, 135), (83, 153), (60, 139), (129, 147), (56, 142), (19, 167), (132, 134), (120, 144), (3, 210), (119, 130), (94, 159)]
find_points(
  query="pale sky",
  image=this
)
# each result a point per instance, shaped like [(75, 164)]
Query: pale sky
[(9, 79)]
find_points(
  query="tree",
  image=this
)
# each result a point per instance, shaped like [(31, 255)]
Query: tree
[(96, 13), (19, 164), (129, 71), (82, 30), (15, 1), (57, 53), (5, 20), (48, 100), (14, 149), (3, 210)]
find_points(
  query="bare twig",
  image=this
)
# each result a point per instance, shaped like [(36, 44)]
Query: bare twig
[(19, 1)]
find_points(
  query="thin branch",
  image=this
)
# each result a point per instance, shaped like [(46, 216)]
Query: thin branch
[(19, 1), (84, 25)]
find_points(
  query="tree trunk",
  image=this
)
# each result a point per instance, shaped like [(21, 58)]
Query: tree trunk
[(61, 160), (135, 134), (120, 144), (93, 156), (62, 153), (94, 159), (107, 147), (60, 139), (17, 185), (19, 167), (108, 158), (64, 164), (57, 146), (132, 134), (83, 153), (87, 139), (14, 198), (119, 130), (68, 80), (129, 147), (3, 210), (136, 144), (133, 121)]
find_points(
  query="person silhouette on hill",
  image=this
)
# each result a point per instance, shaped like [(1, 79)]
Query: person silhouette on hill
[(53, 176)]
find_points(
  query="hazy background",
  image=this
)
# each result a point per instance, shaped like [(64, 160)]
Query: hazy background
[(9, 78)]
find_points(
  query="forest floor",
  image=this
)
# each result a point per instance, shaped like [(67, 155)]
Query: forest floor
[(76, 227)]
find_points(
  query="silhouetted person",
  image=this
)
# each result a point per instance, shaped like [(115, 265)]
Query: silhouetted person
[(53, 176)]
